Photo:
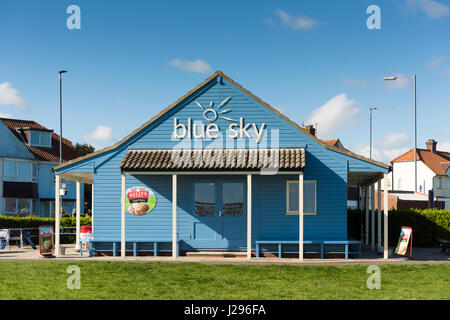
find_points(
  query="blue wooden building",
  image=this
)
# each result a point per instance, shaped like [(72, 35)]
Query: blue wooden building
[(220, 170)]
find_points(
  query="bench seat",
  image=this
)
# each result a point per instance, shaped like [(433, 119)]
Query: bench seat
[(136, 250), (322, 244)]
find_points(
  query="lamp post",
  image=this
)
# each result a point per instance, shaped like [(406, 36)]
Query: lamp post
[(60, 114), (371, 109), (60, 72), (415, 123)]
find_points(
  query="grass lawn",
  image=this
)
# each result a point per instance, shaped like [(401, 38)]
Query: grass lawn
[(128, 280)]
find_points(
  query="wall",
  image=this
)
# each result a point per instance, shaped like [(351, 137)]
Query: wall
[(405, 171)]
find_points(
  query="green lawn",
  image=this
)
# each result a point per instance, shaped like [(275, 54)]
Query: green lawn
[(128, 280)]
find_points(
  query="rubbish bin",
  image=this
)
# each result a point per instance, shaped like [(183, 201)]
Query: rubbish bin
[(85, 238)]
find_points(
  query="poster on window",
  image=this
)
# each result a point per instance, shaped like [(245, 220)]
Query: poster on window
[(140, 201), (403, 241), (46, 240)]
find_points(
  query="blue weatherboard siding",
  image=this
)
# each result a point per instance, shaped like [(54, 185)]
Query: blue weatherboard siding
[(327, 167)]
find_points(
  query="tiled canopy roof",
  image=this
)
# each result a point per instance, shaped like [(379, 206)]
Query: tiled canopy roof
[(41, 153), (232, 159), (438, 162)]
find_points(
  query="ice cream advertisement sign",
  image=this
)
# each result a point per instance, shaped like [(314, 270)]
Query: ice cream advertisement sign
[(140, 200), (46, 240), (403, 241)]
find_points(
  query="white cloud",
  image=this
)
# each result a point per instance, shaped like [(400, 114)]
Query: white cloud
[(443, 146), (198, 65), (338, 113), (387, 148), (10, 96), (399, 83), (6, 115), (433, 9), (297, 23), (101, 133), (435, 62)]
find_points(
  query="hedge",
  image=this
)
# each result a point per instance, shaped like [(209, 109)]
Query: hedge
[(428, 225), (35, 222)]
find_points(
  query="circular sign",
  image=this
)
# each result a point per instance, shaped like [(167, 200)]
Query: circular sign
[(140, 200)]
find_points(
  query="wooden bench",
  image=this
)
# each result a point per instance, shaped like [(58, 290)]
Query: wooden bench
[(116, 246), (322, 244)]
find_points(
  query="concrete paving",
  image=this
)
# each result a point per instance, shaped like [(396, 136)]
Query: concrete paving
[(420, 256)]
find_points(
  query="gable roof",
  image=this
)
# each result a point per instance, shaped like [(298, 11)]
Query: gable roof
[(207, 80), (20, 130), (438, 162)]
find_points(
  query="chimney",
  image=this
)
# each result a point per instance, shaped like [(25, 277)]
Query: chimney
[(431, 145), (310, 129)]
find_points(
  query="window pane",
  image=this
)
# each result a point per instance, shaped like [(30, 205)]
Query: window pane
[(35, 172), (10, 205), (293, 196), (23, 206), (45, 139), (309, 205), (24, 171), (233, 199), (34, 138), (204, 194), (34, 207), (10, 169), (309, 197)]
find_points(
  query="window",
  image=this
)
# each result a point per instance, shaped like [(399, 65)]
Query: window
[(40, 138), (438, 182), (35, 175), (20, 207), (10, 205), (10, 170), (20, 171), (309, 197), (448, 182), (24, 172), (233, 199), (204, 199)]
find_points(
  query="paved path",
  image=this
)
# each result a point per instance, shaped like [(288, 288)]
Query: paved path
[(420, 256)]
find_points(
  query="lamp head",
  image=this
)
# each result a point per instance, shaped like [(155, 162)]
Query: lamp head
[(390, 78)]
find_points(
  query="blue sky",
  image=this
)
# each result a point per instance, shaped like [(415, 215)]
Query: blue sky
[(314, 60)]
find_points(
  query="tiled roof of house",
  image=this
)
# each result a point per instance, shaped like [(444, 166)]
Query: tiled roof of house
[(19, 129), (438, 162), (231, 159)]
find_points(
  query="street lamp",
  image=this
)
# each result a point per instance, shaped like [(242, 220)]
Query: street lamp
[(415, 123), (371, 109), (60, 114), (60, 72)]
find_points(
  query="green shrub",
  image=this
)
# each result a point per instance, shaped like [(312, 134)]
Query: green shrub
[(428, 225), (35, 222)]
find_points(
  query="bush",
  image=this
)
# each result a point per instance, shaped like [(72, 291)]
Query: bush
[(428, 225), (35, 222)]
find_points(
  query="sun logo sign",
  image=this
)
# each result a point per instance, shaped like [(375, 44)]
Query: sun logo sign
[(196, 129), (211, 114)]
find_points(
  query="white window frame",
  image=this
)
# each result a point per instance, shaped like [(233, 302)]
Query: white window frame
[(39, 132), (295, 213)]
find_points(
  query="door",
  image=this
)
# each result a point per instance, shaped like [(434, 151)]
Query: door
[(218, 220)]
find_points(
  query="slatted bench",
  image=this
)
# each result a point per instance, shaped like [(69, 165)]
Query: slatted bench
[(322, 244), (116, 246)]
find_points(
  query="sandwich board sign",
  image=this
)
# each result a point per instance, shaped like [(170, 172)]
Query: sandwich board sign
[(46, 241), (403, 241)]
